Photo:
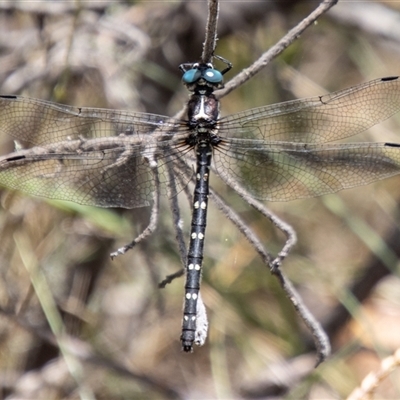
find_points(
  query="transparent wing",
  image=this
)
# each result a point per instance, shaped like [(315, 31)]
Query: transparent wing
[(90, 156), (288, 171), (320, 119), (39, 122), (107, 157)]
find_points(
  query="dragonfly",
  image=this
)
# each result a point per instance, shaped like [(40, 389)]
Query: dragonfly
[(278, 152)]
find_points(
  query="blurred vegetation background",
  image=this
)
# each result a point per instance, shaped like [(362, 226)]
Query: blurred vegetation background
[(123, 332)]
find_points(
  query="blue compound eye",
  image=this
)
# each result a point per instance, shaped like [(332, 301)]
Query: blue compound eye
[(212, 75), (191, 76)]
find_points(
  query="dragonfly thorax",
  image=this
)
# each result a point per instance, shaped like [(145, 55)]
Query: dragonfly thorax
[(203, 112)]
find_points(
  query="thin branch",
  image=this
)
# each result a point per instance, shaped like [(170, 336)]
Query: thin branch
[(210, 41), (319, 336), (148, 231), (174, 206), (374, 379), (277, 49), (289, 232), (176, 216)]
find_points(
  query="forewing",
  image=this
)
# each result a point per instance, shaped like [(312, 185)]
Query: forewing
[(39, 122), (320, 119)]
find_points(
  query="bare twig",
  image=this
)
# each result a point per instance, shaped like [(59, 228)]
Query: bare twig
[(319, 336), (277, 49), (374, 379), (176, 215), (153, 219), (210, 41)]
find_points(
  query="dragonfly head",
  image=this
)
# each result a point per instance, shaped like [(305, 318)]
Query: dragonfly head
[(201, 78)]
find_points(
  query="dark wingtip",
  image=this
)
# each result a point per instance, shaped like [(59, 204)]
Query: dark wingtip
[(392, 144), (389, 78)]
